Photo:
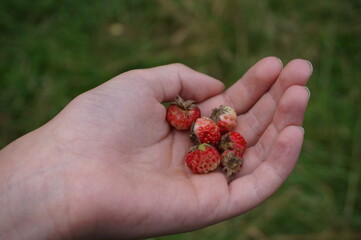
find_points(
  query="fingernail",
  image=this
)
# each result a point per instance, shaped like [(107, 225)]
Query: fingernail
[(280, 61), (302, 129), (308, 90), (310, 64)]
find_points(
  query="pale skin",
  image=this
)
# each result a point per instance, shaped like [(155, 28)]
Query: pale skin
[(110, 166)]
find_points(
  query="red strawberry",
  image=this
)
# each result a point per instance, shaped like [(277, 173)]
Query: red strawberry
[(233, 140), (182, 113), (225, 117), (231, 161), (203, 158), (204, 130)]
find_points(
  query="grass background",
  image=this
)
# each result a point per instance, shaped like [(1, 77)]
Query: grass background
[(51, 51)]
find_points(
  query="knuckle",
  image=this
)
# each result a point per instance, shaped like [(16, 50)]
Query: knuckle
[(179, 66)]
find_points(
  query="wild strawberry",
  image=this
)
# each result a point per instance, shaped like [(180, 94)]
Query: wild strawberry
[(225, 117), (233, 140), (204, 130), (181, 113), (203, 158), (231, 161)]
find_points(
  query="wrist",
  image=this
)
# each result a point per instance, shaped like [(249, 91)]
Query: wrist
[(31, 193)]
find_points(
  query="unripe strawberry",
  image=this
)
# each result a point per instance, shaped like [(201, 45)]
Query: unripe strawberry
[(225, 117), (204, 130), (233, 140), (182, 113), (203, 158), (231, 161)]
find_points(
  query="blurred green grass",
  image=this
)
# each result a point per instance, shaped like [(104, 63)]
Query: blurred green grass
[(51, 51)]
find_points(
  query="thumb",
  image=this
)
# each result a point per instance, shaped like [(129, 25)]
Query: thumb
[(171, 80)]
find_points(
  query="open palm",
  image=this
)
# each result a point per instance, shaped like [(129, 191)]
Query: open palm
[(124, 165)]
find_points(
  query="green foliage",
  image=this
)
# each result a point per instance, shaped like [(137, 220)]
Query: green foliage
[(51, 51)]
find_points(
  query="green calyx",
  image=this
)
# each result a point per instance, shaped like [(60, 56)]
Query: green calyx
[(203, 147)]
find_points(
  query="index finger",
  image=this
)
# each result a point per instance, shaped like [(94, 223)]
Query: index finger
[(248, 89)]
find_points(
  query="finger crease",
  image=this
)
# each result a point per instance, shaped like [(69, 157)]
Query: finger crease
[(256, 188), (260, 152), (254, 124), (229, 100), (180, 82), (280, 178)]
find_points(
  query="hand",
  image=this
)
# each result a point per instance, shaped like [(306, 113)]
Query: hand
[(109, 164)]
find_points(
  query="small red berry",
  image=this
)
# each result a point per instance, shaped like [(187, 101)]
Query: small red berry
[(231, 161), (233, 140), (225, 117), (204, 130), (182, 113), (203, 158)]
